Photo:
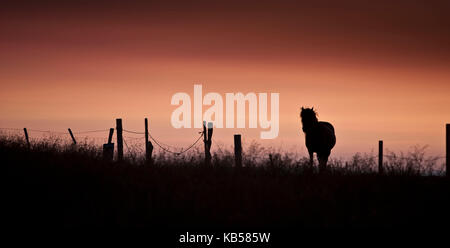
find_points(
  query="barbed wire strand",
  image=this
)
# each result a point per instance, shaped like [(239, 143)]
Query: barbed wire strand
[(161, 144), (182, 151), (7, 128), (154, 139), (45, 131), (91, 131), (134, 138), (51, 131), (135, 132), (400, 157), (158, 141), (403, 157)]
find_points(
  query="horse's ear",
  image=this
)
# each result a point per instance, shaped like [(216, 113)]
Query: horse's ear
[(312, 108), (303, 108)]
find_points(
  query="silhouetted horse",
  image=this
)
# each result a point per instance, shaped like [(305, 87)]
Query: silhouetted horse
[(319, 137)]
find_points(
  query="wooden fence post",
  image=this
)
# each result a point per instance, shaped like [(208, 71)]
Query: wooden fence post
[(207, 135), (26, 137), (447, 152), (111, 132), (380, 157), (148, 145), (119, 139), (73, 138), (237, 150), (108, 148)]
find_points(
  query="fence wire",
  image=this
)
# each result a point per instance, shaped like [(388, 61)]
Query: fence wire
[(51, 131), (92, 131), (156, 141), (180, 152), (164, 146), (135, 132), (400, 157), (14, 129)]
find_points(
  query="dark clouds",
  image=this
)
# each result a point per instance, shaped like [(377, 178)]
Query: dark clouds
[(413, 32)]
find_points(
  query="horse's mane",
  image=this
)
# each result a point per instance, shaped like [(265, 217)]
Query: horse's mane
[(309, 114)]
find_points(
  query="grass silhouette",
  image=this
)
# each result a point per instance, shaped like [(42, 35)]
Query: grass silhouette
[(62, 185)]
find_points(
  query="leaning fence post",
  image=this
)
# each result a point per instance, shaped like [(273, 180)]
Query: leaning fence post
[(380, 157), (108, 148), (148, 145), (26, 137), (111, 132), (119, 139), (237, 150), (207, 134), (73, 138), (447, 152)]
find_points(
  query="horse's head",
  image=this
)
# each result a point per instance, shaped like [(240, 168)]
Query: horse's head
[(309, 118)]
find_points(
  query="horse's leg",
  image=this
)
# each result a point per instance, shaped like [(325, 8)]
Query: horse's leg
[(322, 163), (311, 158)]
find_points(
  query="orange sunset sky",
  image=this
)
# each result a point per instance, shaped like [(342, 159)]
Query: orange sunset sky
[(375, 71)]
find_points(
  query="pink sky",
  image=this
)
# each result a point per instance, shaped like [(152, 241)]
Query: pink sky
[(375, 72)]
